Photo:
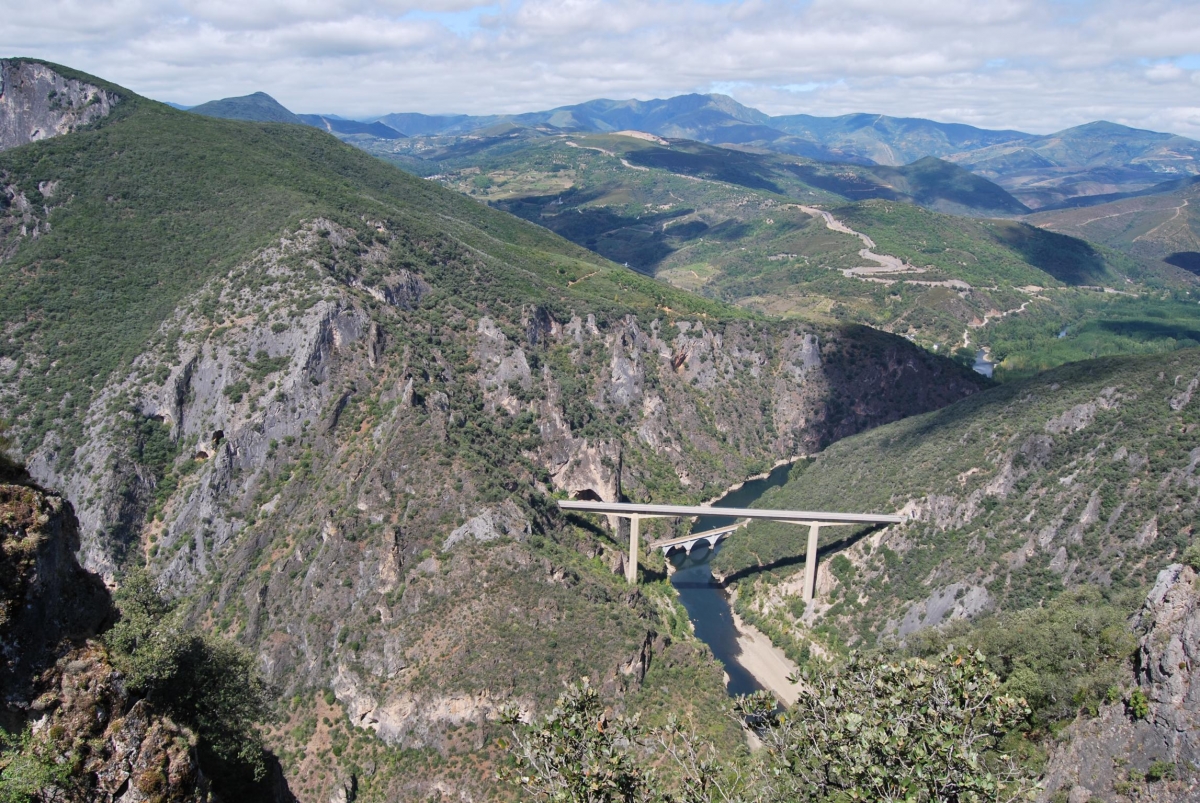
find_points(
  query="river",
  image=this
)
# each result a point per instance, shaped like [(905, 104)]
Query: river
[(983, 365), (706, 602)]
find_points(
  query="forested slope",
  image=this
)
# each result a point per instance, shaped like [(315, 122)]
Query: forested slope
[(1085, 475), (327, 406)]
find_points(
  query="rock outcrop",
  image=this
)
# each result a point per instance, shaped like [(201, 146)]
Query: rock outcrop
[(60, 684), (38, 103), (1109, 757)]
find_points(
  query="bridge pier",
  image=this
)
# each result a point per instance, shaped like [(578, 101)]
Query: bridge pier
[(635, 512), (635, 525), (810, 563)]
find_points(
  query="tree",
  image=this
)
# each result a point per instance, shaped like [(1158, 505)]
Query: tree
[(207, 683), (910, 729), (871, 729)]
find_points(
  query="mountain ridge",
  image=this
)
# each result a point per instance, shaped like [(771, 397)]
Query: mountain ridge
[(327, 405), (1042, 170)]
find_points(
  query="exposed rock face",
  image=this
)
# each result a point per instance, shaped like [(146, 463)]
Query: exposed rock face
[(130, 754), (1099, 755), (60, 683), (46, 598), (324, 446), (38, 103)]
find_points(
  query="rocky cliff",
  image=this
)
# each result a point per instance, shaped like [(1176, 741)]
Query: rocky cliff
[(337, 433), (1084, 475), (1150, 749), (37, 102), (90, 741)]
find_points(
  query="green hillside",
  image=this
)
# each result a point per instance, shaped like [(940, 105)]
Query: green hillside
[(727, 224), (1161, 226), (154, 203), (258, 107), (1081, 476), (327, 405)]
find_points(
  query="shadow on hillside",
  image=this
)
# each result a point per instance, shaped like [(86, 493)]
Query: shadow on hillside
[(1149, 330), (823, 552), (1065, 258), (1188, 260), (847, 183), (728, 166), (638, 241)]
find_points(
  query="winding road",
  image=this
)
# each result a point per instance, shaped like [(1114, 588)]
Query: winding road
[(888, 264)]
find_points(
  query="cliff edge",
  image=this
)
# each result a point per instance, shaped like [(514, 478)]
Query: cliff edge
[(38, 103), (1147, 748), (87, 740)]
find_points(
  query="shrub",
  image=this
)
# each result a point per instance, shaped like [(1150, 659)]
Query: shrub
[(1191, 556), (1139, 704), (204, 682), (26, 769), (913, 729)]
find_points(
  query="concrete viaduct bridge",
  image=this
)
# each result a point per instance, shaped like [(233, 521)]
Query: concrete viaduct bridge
[(636, 512)]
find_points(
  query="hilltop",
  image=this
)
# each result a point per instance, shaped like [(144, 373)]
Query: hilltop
[(257, 107), (1093, 159), (327, 405), (1098, 158)]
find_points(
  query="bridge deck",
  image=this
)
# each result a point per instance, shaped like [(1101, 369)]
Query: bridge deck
[(635, 512), (806, 516)]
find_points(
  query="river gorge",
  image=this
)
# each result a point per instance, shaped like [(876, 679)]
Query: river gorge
[(751, 662)]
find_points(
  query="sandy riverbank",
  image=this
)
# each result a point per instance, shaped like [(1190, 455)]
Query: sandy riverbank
[(766, 662)]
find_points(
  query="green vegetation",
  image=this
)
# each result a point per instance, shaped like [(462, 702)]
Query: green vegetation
[(1162, 225), (204, 682), (725, 224), (1062, 658), (908, 729), (153, 203), (27, 767), (1074, 478)]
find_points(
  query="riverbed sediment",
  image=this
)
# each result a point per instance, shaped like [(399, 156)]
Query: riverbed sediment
[(766, 662)]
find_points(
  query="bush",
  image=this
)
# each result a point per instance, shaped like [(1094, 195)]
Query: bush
[(1139, 704), (912, 729), (206, 683), (1191, 556), (25, 771)]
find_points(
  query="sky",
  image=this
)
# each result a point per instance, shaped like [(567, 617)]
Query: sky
[(1033, 65)]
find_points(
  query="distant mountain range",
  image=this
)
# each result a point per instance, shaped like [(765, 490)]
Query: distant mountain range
[(1099, 158), (261, 107)]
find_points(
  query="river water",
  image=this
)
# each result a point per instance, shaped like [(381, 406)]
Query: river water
[(706, 602), (983, 365)]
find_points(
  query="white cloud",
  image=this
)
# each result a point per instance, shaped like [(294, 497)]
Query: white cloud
[(1037, 65)]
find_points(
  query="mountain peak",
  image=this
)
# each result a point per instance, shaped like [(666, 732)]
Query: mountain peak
[(257, 107)]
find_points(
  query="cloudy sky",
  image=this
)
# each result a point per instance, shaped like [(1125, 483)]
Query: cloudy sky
[(1035, 65)]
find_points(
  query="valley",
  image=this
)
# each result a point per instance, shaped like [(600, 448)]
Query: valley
[(745, 230), (339, 426), (289, 401)]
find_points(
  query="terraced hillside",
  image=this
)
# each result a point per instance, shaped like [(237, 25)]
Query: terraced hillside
[(1082, 476), (328, 405)]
